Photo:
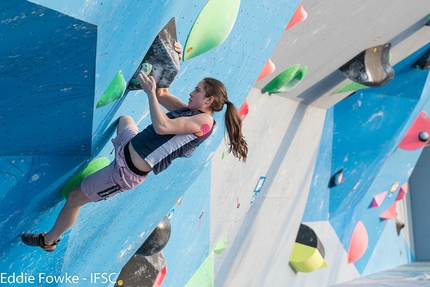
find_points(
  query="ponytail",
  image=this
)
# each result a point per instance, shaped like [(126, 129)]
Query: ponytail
[(233, 123)]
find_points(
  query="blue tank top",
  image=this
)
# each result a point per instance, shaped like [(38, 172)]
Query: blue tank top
[(160, 150)]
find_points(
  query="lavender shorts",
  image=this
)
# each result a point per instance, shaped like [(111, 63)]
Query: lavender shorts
[(116, 177)]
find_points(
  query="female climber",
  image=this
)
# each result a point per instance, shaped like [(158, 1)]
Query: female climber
[(170, 136)]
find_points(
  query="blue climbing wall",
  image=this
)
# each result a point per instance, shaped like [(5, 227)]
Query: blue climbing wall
[(57, 59), (361, 135)]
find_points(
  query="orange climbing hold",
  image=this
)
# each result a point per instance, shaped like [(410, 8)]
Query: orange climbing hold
[(359, 242), (390, 213), (299, 16), (268, 69)]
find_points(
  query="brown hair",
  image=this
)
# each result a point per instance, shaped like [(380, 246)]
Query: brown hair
[(233, 122)]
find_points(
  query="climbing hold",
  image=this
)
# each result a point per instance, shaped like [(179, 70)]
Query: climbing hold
[(308, 252), (244, 110), (423, 136), (212, 27), (359, 242), (417, 133), (350, 87), (162, 57), (390, 213), (337, 178), (402, 192), (399, 226), (221, 245), (268, 69), (378, 199), (260, 184), (114, 91), (423, 62), (299, 16), (179, 200), (371, 67), (295, 81), (157, 240), (91, 168), (160, 277), (144, 67), (281, 80), (143, 271)]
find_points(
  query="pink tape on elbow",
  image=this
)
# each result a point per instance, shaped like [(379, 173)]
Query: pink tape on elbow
[(205, 129)]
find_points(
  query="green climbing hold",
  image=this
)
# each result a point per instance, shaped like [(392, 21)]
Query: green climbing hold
[(274, 86), (212, 27), (114, 91), (221, 245), (91, 168), (350, 87), (295, 81), (146, 68)]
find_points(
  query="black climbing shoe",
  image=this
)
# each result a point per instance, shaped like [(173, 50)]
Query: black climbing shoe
[(38, 240)]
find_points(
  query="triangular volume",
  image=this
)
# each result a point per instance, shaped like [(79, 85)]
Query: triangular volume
[(222, 245), (204, 276), (402, 192), (162, 57), (299, 16), (390, 213), (378, 199)]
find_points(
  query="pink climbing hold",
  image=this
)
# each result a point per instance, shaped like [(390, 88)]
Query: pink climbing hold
[(268, 69), (378, 199), (411, 141), (390, 213), (299, 16), (402, 192), (359, 242), (244, 110)]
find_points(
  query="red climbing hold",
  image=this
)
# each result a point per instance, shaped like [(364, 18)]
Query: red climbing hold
[(244, 110), (412, 141), (160, 278), (390, 213), (299, 16), (268, 69), (359, 242), (402, 192)]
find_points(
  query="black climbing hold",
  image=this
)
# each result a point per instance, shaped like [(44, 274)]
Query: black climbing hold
[(141, 270), (371, 67), (423, 62), (308, 237), (337, 178), (423, 136), (157, 240), (163, 58)]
